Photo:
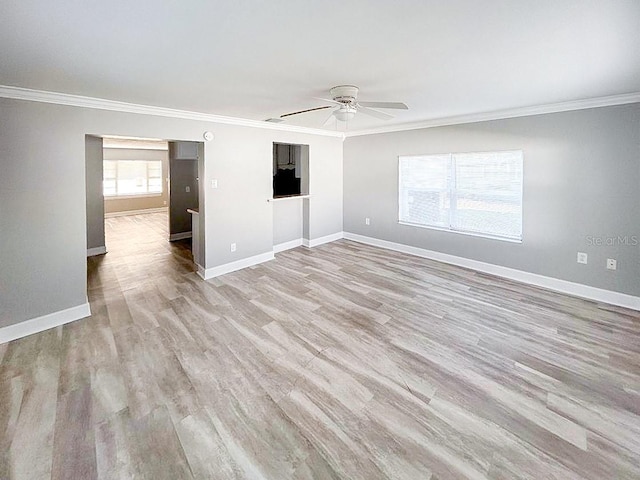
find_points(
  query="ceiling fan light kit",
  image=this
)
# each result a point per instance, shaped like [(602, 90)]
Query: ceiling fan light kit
[(345, 100), (345, 113)]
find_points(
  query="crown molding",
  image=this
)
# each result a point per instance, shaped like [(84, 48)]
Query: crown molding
[(19, 93), (504, 114)]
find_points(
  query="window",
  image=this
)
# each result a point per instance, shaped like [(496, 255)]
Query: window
[(477, 193), (290, 170), (132, 177)]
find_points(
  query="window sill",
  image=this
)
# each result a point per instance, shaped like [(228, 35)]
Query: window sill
[(461, 232), (129, 197), (288, 197)]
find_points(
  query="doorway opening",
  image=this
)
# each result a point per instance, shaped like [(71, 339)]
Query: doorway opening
[(144, 198)]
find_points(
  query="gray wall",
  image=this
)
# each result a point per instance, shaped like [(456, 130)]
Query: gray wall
[(581, 180), (94, 202), (42, 222), (287, 220), (183, 173), (113, 205), (238, 210), (43, 200)]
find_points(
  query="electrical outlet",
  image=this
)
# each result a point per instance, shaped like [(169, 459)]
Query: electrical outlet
[(367, 221), (187, 189), (233, 247), (214, 183), (612, 264), (582, 257)]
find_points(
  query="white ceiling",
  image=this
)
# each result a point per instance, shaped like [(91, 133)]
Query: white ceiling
[(260, 59)]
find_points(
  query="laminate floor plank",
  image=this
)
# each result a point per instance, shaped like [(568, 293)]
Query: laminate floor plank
[(31, 447), (205, 450), (74, 453), (344, 361)]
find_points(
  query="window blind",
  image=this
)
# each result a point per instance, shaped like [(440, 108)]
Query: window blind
[(477, 193), (132, 177)]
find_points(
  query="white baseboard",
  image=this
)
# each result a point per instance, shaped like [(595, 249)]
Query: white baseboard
[(319, 241), (179, 236), (45, 322), (202, 272), (281, 247), (92, 252), (555, 284), (136, 212), (208, 273)]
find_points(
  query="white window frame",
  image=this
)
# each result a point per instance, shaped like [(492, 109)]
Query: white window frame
[(453, 197), (135, 195)]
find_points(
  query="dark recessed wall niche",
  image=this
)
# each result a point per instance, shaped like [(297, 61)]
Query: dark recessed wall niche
[(290, 170)]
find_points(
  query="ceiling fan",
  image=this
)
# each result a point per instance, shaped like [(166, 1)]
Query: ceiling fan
[(345, 104)]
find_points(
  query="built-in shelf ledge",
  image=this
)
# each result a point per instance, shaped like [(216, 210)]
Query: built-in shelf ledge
[(290, 197)]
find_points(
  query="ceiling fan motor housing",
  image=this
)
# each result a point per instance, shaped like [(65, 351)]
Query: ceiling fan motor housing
[(346, 94)]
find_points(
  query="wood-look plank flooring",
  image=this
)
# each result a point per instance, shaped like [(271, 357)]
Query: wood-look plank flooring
[(339, 362)]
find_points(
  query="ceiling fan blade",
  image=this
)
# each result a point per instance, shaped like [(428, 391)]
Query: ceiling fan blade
[(374, 113), (327, 100), (305, 111), (397, 105), (328, 120)]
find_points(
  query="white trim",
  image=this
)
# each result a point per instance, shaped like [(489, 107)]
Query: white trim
[(201, 271), (19, 93), (281, 247), (289, 197), (461, 232), (179, 236), (555, 284), (92, 252), (110, 198), (507, 113), (124, 213), (45, 322), (319, 241), (208, 273)]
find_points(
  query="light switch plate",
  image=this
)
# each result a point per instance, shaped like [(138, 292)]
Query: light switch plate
[(582, 257), (612, 264)]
